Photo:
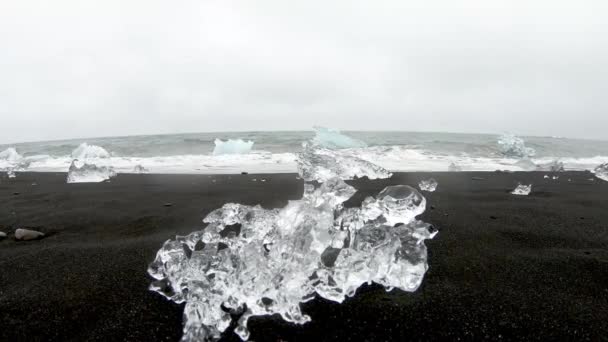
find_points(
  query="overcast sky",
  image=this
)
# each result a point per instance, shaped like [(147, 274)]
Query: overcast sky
[(75, 68)]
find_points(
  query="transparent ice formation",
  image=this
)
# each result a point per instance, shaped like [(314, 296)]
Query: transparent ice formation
[(11, 161), (232, 146), (429, 185), (554, 166), (513, 146), (333, 139), (601, 172), (522, 189), (321, 164), (81, 172), (86, 151), (140, 169), (453, 167), (250, 261)]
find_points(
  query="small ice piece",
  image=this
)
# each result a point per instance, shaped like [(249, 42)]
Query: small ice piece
[(333, 139), (546, 176), (140, 169), (81, 172), (26, 234), (522, 190), (2, 235), (232, 146), (316, 163), (429, 185), (555, 177), (601, 172), (554, 166), (86, 151), (513, 146), (453, 167)]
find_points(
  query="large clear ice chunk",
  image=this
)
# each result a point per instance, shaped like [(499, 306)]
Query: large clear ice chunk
[(601, 172), (316, 163), (232, 146), (513, 146), (252, 261), (333, 139), (81, 172)]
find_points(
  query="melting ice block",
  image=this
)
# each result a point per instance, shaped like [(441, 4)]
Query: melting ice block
[(333, 139), (429, 185), (316, 163), (601, 172), (81, 172), (232, 146), (280, 258), (513, 146), (522, 190)]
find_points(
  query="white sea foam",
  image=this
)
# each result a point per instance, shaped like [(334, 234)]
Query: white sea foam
[(87, 152)]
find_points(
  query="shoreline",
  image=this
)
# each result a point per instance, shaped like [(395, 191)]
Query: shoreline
[(502, 266)]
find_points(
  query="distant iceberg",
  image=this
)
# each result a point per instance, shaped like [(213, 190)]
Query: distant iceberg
[(86, 151), (453, 167), (513, 146), (522, 190), (333, 139), (232, 146), (80, 172)]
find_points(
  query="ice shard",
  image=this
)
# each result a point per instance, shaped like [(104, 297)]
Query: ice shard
[(429, 185), (601, 172), (522, 190), (81, 172), (252, 261), (513, 146), (232, 146), (333, 139)]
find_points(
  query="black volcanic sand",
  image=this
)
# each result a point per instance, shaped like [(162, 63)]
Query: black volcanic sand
[(502, 267)]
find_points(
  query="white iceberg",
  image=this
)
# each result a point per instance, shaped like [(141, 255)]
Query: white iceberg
[(232, 146), (453, 167), (140, 169), (513, 146), (429, 185), (601, 172), (81, 172), (280, 258), (86, 151), (522, 190), (333, 139)]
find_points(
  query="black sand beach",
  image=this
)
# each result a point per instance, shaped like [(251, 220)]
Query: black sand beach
[(503, 267)]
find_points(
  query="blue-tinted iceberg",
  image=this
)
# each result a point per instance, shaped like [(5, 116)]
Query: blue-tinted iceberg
[(333, 139), (232, 146), (280, 258), (513, 146)]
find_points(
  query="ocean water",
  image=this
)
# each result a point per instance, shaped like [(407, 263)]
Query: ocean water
[(275, 152)]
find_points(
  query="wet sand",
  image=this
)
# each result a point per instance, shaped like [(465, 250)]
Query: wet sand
[(503, 267)]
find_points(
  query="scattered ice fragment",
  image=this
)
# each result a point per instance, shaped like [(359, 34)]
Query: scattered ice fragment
[(601, 172), (232, 146), (2, 235), (320, 164), (11, 173), (523, 190), (81, 172), (429, 185), (453, 167), (251, 261), (546, 176), (140, 169), (555, 177), (26, 234), (513, 146), (333, 139), (86, 151), (554, 166)]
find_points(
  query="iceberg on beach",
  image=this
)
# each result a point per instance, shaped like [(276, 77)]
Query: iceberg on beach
[(11, 161), (601, 172), (277, 259), (232, 146), (522, 190), (513, 146), (333, 139), (86, 151), (429, 185), (80, 172)]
